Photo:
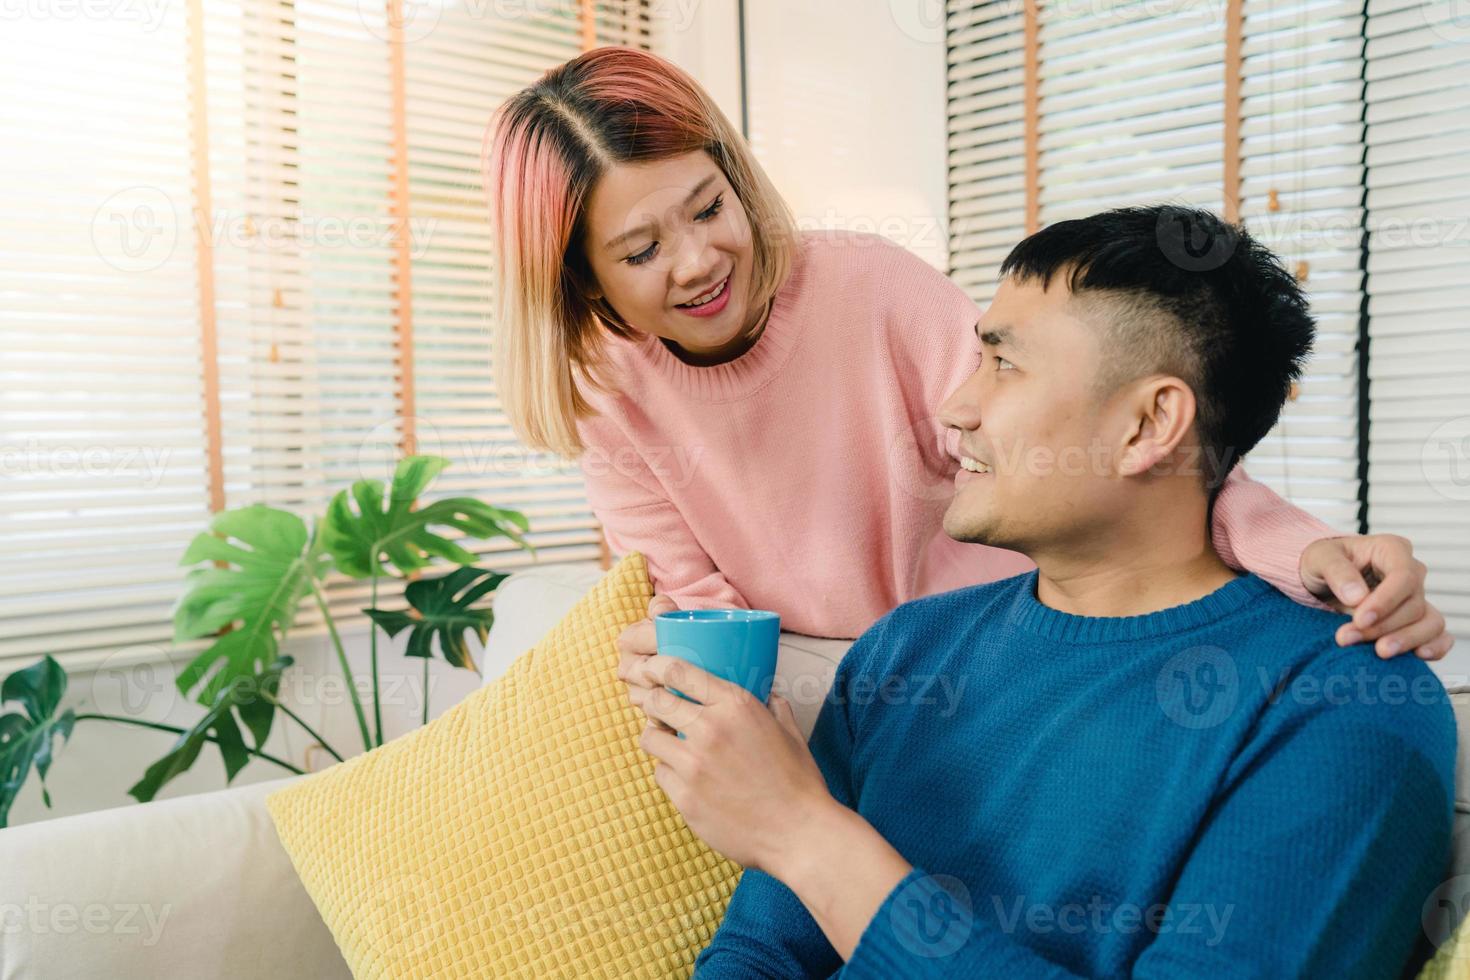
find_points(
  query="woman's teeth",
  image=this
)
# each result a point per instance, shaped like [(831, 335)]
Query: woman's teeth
[(974, 465), (711, 295)]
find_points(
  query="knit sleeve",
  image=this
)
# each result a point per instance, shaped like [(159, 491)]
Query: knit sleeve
[(767, 931), (1255, 530), (932, 348), (931, 325), (1326, 838), (624, 493)]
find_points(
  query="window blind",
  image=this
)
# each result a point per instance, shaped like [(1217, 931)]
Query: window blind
[(1301, 180), (100, 389), (1130, 109), (986, 121), (347, 257), (1418, 282)]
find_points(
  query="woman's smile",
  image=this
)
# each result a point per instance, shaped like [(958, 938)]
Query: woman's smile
[(709, 303)]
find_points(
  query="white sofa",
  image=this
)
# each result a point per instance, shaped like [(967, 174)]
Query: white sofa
[(199, 888)]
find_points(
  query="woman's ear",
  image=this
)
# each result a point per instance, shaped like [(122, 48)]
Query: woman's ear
[(1163, 410)]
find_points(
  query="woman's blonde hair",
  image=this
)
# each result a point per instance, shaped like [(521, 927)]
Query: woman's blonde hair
[(546, 149)]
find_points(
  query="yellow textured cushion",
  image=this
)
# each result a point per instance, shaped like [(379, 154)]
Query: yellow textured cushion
[(1452, 962), (520, 834)]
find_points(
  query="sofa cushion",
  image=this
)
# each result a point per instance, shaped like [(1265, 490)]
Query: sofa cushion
[(194, 886), (521, 834)]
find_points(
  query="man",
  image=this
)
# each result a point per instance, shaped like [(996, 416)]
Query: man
[(1155, 767)]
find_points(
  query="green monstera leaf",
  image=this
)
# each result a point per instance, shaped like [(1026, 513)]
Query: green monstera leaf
[(361, 542), (442, 607), (252, 698), (26, 735), (272, 566)]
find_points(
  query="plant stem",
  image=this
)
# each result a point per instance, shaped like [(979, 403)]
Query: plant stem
[(182, 731), (373, 643), (426, 690), (319, 740), (342, 659)]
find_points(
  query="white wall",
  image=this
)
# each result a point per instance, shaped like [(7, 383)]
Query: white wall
[(847, 107)]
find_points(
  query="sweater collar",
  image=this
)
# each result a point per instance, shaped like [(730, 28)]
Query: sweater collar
[(1028, 613)]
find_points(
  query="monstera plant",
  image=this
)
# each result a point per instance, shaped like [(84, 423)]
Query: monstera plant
[(256, 566)]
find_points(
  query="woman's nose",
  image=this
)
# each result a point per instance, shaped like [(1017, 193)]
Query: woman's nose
[(694, 259)]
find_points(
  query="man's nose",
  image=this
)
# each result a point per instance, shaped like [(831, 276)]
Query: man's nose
[(961, 410)]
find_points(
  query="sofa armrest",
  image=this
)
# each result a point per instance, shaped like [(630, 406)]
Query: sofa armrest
[(197, 886), (529, 604)]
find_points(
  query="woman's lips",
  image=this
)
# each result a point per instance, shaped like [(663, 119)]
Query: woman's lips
[(713, 306)]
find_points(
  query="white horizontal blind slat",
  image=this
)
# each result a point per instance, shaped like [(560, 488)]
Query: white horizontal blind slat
[(97, 267), (1131, 108), (1302, 138), (987, 181), (1418, 84)]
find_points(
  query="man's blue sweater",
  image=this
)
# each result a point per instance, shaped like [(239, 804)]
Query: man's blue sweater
[(1215, 789)]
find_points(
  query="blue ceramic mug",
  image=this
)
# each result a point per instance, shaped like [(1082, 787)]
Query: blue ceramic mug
[(738, 645)]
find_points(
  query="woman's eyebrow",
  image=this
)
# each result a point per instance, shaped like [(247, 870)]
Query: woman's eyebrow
[(633, 232)]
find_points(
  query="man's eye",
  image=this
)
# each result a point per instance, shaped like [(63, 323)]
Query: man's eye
[(643, 256), (712, 210)]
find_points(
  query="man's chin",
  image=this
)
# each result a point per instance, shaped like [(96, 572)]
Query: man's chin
[(968, 527)]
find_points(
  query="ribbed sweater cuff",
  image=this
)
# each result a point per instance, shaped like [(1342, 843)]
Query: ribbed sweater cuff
[(923, 931)]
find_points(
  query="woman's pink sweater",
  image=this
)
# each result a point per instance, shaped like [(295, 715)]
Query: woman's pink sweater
[(809, 475)]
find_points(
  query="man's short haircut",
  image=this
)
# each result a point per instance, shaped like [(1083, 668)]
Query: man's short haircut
[(1184, 293)]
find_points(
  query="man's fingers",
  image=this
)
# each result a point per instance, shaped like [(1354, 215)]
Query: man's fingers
[(1397, 587), (638, 638), (629, 672)]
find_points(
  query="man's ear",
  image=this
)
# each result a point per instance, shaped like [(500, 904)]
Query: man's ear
[(1162, 410)]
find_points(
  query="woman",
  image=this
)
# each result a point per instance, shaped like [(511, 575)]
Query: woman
[(753, 408)]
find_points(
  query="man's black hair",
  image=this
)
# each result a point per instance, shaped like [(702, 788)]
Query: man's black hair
[(1193, 296)]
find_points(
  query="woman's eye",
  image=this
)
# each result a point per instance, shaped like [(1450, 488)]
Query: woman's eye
[(643, 256), (712, 210), (1001, 364)]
